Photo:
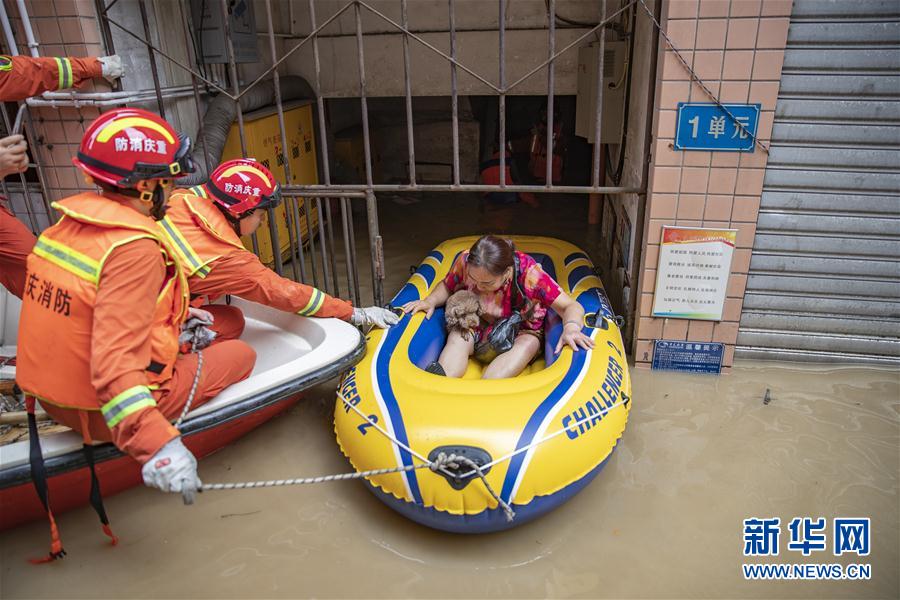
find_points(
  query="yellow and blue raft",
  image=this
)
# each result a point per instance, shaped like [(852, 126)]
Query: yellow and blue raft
[(539, 438)]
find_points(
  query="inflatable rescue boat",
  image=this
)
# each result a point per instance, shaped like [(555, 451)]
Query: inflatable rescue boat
[(539, 438), (293, 354)]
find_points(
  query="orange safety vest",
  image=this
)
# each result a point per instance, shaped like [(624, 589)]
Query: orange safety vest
[(197, 231), (64, 271)]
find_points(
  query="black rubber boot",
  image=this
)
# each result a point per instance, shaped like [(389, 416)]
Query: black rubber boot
[(436, 368)]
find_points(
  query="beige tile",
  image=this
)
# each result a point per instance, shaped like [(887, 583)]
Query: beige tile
[(673, 92), (665, 127), (710, 9), (61, 154), (773, 33), (65, 8), (54, 132), (725, 159), (740, 261), (68, 177), (765, 92), (777, 8), (708, 63), (666, 179), (674, 329), (646, 305), (745, 209), (768, 65), (732, 309), (74, 131), (711, 34), (688, 222), (742, 34), (745, 8), (722, 181), (682, 33), (694, 181), (71, 31), (738, 65), (700, 331), (734, 91), (696, 158), (91, 31), (662, 206), (698, 94), (649, 328), (51, 49), (86, 8), (41, 8), (716, 224), (654, 232), (651, 256), (749, 181), (727, 359), (754, 160), (690, 206), (766, 120), (47, 31), (648, 284), (725, 332), (718, 208), (672, 67), (682, 9), (664, 155), (643, 353), (745, 234), (737, 283)]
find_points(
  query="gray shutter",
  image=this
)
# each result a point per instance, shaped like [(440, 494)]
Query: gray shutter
[(824, 281)]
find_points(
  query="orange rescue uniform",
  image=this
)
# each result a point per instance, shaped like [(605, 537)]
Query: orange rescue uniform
[(216, 263), (102, 310), (16, 243), (23, 76)]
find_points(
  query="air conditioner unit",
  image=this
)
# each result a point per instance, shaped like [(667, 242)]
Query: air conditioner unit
[(613, 91)]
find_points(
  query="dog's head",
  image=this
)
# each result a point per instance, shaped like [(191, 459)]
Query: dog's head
[(462, 311)]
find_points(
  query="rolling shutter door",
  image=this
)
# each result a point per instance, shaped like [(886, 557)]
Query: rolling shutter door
[(824, 281)]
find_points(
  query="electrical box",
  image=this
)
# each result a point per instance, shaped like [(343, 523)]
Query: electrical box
[(207, 21), (613, 92), (263, 138)]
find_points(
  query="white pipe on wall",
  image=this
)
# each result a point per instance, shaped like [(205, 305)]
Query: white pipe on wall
[(26, 25), (7, 31)]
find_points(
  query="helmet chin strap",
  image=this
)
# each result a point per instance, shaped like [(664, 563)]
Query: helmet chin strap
[(157, 199)]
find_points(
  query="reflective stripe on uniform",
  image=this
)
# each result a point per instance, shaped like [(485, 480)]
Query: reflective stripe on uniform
[(198, 190), (127, 403), (6, 63), (68, 258), (316, 299), (183, 247), (64, 72)]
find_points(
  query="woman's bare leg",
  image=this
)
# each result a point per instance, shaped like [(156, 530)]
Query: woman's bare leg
[(455, 355), (510, 364)]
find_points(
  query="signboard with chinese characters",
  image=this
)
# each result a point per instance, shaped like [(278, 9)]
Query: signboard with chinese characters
[(691, 357), (692, 274), (705, 126)]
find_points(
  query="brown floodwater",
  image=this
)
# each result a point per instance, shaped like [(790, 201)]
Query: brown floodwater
[(662, 520)]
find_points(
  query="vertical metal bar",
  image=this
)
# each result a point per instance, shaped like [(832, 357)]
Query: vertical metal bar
[(454, 100), (25, 193), (105, 33), (350, 249), (298, 234), (598, 109), (334, 273), (326, 166), (408, 87), (152, 55), (551, 90), (193, 60), (276, 84), (364, 105), (276, 242), (12, 50), (377, 249), (322, 246), (26, 25), (312, 242), (502, 85)]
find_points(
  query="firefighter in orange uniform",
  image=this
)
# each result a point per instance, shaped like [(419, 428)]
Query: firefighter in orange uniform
[(20, 78), (104, 303), (204, 223)]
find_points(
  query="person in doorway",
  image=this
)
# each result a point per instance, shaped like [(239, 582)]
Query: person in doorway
[(104, 303), (204, 224), (490, 175), (22, 77), (497, 272)]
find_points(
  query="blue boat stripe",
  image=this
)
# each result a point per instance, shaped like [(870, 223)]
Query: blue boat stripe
[(427, 273), (575, 256), (436, 255), (577, 274)]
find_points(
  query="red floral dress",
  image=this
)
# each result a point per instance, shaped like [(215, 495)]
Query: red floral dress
[(539, 288)]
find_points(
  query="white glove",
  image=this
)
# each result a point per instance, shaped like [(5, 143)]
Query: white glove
[(173, 469), (204, 316), (374, 315), (111, 67)]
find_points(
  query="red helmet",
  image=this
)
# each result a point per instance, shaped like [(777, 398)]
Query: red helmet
[(242, 185), (127, 145)]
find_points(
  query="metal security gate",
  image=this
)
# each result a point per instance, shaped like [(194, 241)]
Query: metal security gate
[(824, 281)]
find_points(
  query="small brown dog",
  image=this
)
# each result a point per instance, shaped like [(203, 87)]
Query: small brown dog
[(463, 313)]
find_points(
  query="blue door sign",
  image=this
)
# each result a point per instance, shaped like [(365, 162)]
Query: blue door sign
[(705, 126)]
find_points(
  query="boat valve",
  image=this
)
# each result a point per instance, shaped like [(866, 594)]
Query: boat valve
[(453, 474)]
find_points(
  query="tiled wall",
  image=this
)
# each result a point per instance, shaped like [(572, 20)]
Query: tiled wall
[(61, 28), (737, 49)]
